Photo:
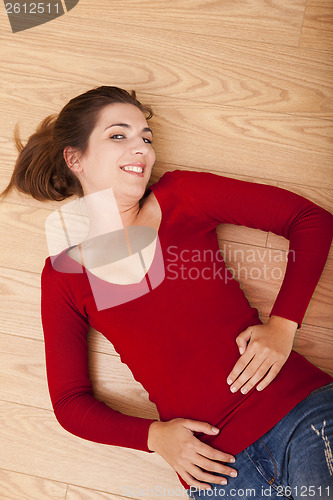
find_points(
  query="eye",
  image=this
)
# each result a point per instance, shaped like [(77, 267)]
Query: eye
[(146, 140), (117, 136)]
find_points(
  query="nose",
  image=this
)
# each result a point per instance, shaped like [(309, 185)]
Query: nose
[(139, 146)]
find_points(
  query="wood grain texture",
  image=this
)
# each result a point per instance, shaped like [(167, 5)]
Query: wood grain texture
[(199, 69), (27, 435), (271, 22), (242, 89), (16, 486), (317, 31), (77, 493), (23, 378)]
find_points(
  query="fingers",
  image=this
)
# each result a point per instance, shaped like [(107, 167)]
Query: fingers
[(203, 464), (195, 461), (191, 481), (263, 358), (243, 339), (238, 369), (210, 465), (247, 381), (254, 372), (211, 453), (197, 426), (206, 460), (270, 376), (200, 478)]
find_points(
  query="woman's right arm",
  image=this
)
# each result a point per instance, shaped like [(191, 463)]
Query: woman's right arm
[(77, 410), (65, 328)]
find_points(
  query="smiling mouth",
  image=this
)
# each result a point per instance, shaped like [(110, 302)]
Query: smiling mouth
[(134, 169)]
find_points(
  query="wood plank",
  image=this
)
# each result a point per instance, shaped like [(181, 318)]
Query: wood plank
[(32, 442), (245, 144), (20, 303), (273, 23), (158, 491), (316, 344), (77, 493), (260, 272), (16, 486), (239, 89), (317, 31), (25, 246), (23, 378), (248, 143), (22, 372), (166, 63)]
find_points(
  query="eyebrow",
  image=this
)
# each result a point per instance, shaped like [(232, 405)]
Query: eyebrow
[(146, 129)]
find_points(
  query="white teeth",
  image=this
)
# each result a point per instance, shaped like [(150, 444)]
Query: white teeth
[(133, 169)]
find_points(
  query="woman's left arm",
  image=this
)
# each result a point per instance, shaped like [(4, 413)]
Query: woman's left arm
[(264, 349), (309, 229)]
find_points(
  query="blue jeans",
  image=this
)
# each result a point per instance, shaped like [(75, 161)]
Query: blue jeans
[(292, 460)]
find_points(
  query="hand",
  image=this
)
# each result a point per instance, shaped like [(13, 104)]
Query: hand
[(264, 349), (187, 455)]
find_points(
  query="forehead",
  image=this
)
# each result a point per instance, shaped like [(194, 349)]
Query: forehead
[(121, 113)]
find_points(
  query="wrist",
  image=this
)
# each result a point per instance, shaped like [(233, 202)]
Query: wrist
[(283, 323), (152, 432)]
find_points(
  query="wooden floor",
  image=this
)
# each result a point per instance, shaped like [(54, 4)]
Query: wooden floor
[(242, 89)]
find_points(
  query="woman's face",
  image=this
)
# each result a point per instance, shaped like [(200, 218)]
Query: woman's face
[(119, 154)]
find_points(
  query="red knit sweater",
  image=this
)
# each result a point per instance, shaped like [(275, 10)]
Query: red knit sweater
[(179, 338)]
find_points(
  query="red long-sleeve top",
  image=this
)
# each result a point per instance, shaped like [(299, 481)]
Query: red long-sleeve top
[(178, 338)]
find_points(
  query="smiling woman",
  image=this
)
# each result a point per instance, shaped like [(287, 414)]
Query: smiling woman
[(232, 396), (118, 156), (41, 169)]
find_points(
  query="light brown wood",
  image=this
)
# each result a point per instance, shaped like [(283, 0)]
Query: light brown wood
[(16, 486), (77, 493), (242, 89), (251, 21), (57, 455), (317, 32)]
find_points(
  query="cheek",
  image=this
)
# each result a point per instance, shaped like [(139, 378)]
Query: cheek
[(152, 156)]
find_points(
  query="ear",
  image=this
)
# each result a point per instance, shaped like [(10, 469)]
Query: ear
[(72, 159)]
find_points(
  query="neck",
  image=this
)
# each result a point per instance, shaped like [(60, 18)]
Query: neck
[(107, 214)]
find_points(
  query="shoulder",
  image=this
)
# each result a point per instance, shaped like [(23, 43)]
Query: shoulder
[(173, 178), (56, 267)]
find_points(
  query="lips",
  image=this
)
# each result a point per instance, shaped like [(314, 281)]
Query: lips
[(136, 168)]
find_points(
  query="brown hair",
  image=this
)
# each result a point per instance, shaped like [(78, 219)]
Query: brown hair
[(40, 168)]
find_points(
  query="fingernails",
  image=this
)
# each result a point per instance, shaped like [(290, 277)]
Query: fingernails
[(215, 429), (229, 381), (244, 390), (233, 473), (259, 388), (233, 389), (232, 460), (241, 350), (224, 481)]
